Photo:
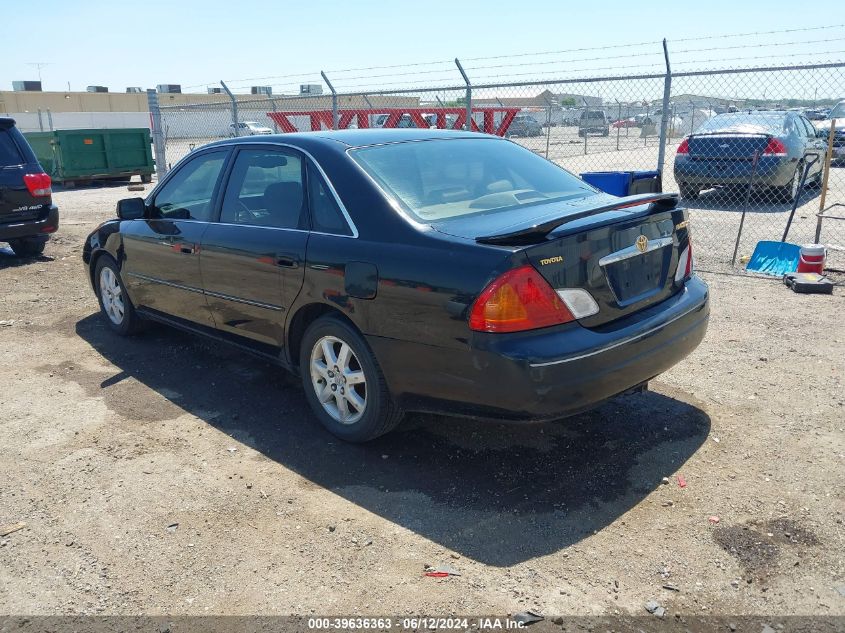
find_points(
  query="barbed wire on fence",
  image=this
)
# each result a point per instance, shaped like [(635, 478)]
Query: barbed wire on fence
[(760, 177)]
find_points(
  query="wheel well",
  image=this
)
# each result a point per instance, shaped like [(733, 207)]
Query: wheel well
[(95, 257), (304, 317)]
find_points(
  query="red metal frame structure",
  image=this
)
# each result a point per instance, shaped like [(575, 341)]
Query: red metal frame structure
[(323, 118)]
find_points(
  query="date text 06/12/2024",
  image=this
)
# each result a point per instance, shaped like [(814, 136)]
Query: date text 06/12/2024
[(414, 623)]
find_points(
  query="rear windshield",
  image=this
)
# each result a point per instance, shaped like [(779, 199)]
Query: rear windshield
[(593, 114), (450, 178), (744, 123), (9, 152)]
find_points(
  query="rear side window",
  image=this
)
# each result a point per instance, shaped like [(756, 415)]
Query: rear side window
[(326, 216), (9, 152), (265, 189)]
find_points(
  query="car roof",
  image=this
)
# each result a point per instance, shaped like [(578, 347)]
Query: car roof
[(360, 137), (6, 122)]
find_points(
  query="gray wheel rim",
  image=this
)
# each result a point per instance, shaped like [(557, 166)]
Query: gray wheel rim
[(111, 295), (338, 380), (796, 180)]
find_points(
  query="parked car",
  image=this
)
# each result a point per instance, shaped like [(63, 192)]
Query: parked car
[(623, 123), (823, 130), (27, 213), (461, 275), (720, 152), (817, 114), (248, 128), (524, 125), (593, 122)]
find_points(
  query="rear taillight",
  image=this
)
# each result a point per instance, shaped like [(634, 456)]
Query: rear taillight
[(684, 270), (683, 148), (518, 300), (38, 185), (775, 147)]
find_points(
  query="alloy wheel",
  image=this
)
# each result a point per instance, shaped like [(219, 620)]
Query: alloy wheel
[(111, 294), (338, 379), (794, 185)]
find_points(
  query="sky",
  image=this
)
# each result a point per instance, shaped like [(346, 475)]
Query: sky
[(197, 43)]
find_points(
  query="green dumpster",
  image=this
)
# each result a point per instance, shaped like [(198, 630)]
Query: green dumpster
[(75, 156)]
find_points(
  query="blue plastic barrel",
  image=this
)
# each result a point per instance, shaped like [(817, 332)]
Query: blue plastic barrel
[(613, 182), (623, 183)]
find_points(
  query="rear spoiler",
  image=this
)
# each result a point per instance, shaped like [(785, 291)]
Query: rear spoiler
[(536, 232)]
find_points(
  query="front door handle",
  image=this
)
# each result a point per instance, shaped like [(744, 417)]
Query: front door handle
[(287, 261), (185, 248)]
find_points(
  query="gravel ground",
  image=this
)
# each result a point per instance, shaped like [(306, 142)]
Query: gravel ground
[(164, 474)]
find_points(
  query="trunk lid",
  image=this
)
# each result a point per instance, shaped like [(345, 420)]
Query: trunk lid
[(727, 146), (623, 251)]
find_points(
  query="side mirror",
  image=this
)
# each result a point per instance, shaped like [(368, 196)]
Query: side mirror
[(822, 133), (131, 208)]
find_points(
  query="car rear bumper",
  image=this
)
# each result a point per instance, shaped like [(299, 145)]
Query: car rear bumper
[(43, 226), (549, 373), (771, 172)]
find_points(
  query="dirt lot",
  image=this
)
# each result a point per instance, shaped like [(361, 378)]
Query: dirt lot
[(164, 474)]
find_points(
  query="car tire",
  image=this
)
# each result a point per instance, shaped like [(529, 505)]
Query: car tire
[(146, 178), (28, 247), (114, 301), (688, 191), (354, 412), (790, 192)]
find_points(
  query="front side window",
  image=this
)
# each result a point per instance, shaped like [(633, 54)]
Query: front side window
[(265, 189), (188, 194), (450, 178)]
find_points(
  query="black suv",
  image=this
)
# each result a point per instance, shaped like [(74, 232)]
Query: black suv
[(27, 212)]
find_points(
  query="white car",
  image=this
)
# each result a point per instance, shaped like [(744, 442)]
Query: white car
[(823, 130), (248, 128)]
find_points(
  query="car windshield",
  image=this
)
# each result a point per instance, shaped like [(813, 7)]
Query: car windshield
[(451, 178), (838, 112), (744, 123)]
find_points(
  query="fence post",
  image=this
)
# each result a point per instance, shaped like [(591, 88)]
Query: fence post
[(469, 94), (275, 125), (619, 118), (548, 123), (40, 122), (667, 89), (50, 119), (692, 117), (334, 100), (234, 108), (586, 134), (158, 133)]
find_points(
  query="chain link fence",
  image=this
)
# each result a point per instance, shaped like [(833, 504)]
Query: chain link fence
[(738, 145)]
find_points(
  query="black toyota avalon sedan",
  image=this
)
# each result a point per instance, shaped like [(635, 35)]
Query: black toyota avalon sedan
[(409, 270)]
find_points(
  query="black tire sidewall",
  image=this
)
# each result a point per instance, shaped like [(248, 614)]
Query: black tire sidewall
[(370, 424), (28, 246), (129, 323)]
